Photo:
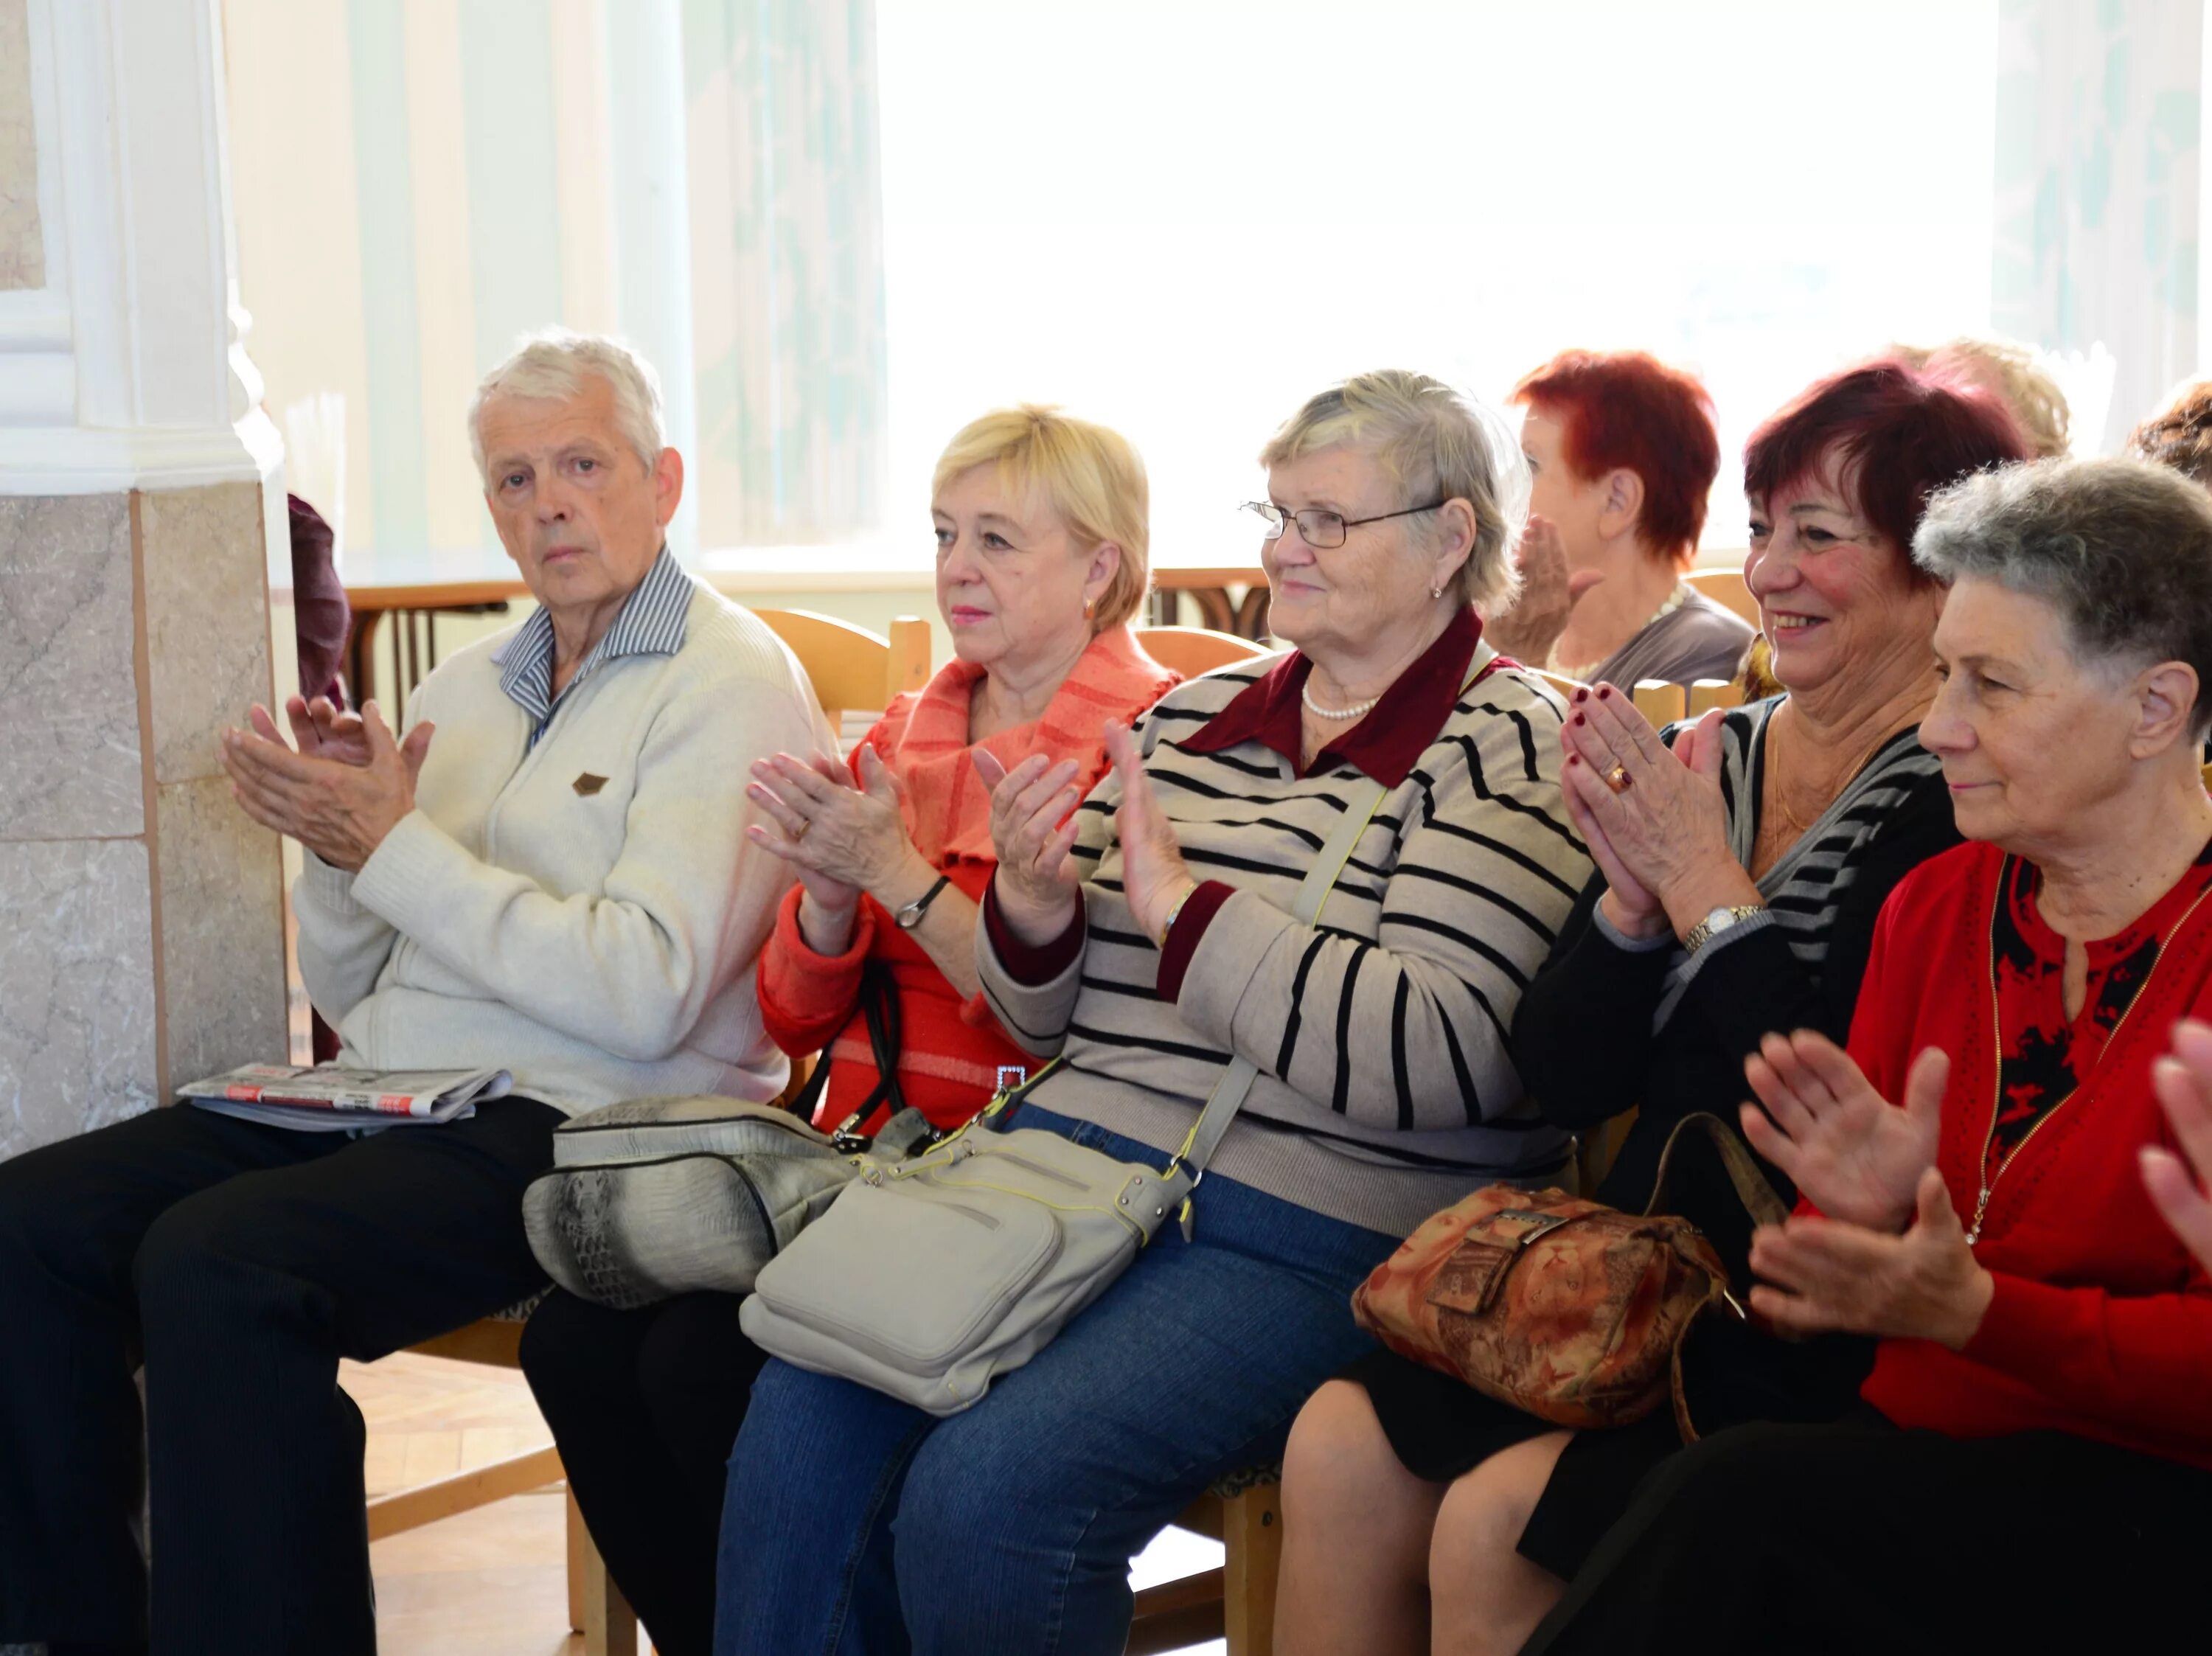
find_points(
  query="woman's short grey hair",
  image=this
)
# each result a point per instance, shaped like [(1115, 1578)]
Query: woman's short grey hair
[(1435, 443), (2121, 549), (553, 363)]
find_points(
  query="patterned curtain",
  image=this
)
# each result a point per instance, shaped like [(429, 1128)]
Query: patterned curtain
[(2095, 227), (788, 269)]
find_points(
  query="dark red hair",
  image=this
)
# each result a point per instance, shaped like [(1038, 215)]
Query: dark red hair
[(1897, 436), (1629, 409)]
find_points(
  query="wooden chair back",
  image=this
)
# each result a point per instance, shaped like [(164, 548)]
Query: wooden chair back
[(1708, 693), (852, 668), (1727, 588), (1566, 687), (1191, 650), (1661, 702)]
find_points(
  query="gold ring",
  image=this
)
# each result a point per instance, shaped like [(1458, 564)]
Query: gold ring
[(799, 833), (1619, 780)]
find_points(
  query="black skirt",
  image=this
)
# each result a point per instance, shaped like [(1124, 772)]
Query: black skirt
[(1441, 1429)]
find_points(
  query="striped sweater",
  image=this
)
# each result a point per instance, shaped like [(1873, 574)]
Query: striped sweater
[(1385, 1091)]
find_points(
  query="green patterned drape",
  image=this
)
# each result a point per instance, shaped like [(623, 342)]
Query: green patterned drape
[(788, 269), (2095, 227)]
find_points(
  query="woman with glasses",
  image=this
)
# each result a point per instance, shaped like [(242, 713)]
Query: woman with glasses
[(1622, 452), (1146, 936), (1739, 880)]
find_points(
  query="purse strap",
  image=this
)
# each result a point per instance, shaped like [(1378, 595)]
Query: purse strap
[(1751, 1189), (877, 1007), (1229, 1092)]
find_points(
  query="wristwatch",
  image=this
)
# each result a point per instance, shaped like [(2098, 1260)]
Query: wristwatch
[(909, 917), (1717, 922)]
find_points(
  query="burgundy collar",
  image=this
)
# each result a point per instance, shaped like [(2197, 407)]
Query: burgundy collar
[(1385, 745)]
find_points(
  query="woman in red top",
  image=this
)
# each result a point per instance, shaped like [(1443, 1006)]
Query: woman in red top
[(2032, 1466), (1040, 525), (1040, 566)]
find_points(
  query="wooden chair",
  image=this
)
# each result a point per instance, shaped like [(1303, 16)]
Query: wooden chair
[(852, 668), (1244, 1513), (1708, 693), (1191, 650), (1727, 588), (1660, 702), (1663, 704), (1566, 687), (596, 1607)]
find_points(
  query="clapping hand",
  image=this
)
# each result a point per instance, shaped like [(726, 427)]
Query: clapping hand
[(1547, 596), (2183, 1084), (1653, 819), (1154, 877), (339, 796), (1033, 829), (320, 729), (1822, 1275), (843, 839), (1854, 1156)]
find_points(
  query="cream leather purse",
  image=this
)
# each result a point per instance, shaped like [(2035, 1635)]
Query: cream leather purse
[(1012, 1234)]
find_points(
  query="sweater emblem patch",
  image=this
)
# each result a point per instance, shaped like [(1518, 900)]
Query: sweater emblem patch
[(587, 784)]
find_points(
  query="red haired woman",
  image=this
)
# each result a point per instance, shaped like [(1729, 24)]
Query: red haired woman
[(1622, 454)]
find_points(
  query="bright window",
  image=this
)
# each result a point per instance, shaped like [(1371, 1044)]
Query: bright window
[(1182, 216)]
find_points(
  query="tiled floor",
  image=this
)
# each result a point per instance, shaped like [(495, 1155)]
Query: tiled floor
[(493, 1582)]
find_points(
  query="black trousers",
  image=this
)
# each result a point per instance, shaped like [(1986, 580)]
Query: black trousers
[(645, 1405), (1858, 1537), (239, 1263)]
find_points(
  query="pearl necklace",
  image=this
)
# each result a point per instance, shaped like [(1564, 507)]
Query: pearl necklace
[(1357, 710)]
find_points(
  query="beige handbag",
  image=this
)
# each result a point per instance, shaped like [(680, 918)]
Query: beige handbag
[(1011, 1234)]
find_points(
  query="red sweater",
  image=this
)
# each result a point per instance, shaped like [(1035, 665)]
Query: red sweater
[(949, 1050), (2101, 1323)]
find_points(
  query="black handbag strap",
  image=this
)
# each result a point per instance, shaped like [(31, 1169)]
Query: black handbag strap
[(877, 1005), (1751, 1189)]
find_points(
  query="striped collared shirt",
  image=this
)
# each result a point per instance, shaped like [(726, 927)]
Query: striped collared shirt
[(650, 623)]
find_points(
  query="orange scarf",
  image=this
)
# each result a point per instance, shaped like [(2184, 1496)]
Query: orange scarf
[(924, 737)]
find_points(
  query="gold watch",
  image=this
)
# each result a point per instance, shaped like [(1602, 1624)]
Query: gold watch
[(1717, 922)]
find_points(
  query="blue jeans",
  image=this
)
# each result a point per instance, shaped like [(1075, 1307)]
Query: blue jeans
[(853, 1524)]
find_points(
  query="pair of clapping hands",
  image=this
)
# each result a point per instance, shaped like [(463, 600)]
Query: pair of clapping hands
[(1652, 817), (1888, 1256), (845, 839), (340, 791)]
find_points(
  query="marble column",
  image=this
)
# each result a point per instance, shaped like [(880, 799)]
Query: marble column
[(141, 915)]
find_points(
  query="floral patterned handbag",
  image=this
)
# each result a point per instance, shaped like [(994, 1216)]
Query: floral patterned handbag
[(1568, 1309)]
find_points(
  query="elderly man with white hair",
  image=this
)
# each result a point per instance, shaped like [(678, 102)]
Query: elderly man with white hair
[(549, 874)]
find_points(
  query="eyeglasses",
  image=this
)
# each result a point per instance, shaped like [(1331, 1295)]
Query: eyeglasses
[(1322, 530)]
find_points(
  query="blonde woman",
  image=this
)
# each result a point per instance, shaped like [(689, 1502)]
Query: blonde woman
[(1145, 936), (1041, 524)]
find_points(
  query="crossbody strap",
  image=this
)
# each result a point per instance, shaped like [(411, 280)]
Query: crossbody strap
[(1229, 1092)]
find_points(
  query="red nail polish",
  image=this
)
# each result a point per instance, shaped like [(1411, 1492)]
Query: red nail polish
[(1573, 759), (1579, 719), (1604, 691), (1582, 695)]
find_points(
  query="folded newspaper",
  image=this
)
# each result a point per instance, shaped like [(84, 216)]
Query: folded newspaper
[(331, 1098)]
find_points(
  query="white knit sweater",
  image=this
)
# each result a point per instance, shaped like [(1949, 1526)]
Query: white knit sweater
[(600, 944)]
